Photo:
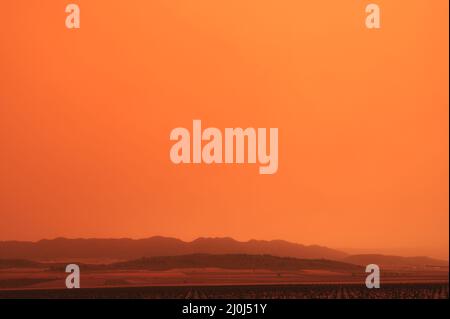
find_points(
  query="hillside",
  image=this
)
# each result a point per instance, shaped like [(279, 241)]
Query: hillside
[(234, 261), (395, 261)]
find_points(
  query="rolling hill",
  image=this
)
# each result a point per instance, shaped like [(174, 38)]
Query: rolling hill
[(395, 261), (234, 261), (227, 261)]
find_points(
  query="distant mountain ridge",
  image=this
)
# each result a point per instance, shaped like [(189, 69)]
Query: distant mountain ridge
[(133, 249), (126, 249)]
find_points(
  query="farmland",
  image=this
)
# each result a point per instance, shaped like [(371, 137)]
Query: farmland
[(307, 291)]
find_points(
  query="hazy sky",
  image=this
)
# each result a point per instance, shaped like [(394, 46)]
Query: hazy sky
[(85, 118)]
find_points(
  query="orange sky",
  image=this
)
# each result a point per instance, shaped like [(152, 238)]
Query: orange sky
[(85, 117)]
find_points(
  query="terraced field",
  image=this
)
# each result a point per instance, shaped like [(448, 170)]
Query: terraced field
[(322, 291)]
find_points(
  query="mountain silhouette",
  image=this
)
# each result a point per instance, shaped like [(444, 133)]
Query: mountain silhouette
[(126, 249)]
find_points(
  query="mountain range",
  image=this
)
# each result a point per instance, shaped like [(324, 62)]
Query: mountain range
[(126, 249), (234, 261), (132, 249)]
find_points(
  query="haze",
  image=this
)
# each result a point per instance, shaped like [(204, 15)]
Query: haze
[(85, 118)]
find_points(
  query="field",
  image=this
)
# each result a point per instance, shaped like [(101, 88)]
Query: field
[(318, 291), (219, 276), (37, 278)]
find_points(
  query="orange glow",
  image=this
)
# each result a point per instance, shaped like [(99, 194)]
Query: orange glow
[(85, 118)]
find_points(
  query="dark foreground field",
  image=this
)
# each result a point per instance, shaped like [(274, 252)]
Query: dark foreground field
[(322, 291)]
